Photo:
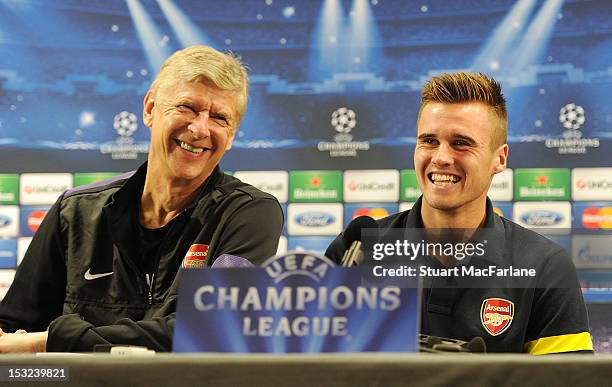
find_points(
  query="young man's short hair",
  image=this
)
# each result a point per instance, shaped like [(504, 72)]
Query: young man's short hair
[(462, 87)]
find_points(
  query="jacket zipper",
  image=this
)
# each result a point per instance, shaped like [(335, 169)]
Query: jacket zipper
[(150, 280)]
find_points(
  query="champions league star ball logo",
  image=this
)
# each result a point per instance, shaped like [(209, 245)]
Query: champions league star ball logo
[(343, 120), (572, 117), (124, 147), (125, 123)]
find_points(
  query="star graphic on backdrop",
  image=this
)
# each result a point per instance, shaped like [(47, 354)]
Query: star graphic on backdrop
[(315, 182)]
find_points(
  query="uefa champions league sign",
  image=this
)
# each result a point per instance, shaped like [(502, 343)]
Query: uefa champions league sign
[(298, 302)]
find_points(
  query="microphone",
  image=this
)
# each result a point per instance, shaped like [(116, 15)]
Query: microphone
[(228, 261), (435, 344), (352, 240)]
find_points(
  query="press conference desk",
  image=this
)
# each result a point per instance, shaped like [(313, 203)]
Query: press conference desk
[(325, 370)]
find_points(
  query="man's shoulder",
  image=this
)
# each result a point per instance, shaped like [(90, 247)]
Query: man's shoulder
[(529, 244), (109, 185), (397, 220)]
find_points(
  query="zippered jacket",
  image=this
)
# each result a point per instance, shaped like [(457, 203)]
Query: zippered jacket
[(81, 278)]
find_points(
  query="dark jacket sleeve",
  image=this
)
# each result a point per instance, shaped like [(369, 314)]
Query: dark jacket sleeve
[(252, 231), (558, 321), (336, 249), (155, 334), (38, 290)]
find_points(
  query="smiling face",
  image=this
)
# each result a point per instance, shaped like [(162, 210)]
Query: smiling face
[(454, 157), (191, 128)]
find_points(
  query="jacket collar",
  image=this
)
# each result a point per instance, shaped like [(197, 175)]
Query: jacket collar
[(129, 194), (493, 230)]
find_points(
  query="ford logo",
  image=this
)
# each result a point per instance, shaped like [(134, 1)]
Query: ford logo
[(542, 218), (4, 220), (315, 219)]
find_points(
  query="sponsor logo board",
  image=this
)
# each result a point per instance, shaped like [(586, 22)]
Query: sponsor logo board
[(405, 206), (8, 253), (592, 215), (542, 184), (373, 210), (282, 245), (314, 219), (90, 178), (31, 218), (592, 251), (371, 185), (409, 186), (592, 183), (315, 186), (502, 186), (9, 189), (9, 221), (549, 217), (503, 209), (312, 244), (22, 246), (43, 188), (273, 182)]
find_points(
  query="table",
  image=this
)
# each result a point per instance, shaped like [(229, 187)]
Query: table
[(296, 370)]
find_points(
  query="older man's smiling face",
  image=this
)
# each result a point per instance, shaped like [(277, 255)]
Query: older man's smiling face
[(192, 125)]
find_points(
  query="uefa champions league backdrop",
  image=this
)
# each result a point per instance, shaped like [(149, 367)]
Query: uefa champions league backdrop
[(332, 111)]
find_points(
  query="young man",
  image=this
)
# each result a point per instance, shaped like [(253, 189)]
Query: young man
[(103, 266), (461, 144)]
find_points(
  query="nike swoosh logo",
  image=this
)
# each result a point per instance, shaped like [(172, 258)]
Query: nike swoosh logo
[(88, 276)]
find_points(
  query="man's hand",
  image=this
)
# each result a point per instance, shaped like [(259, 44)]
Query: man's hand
[(23, 342)]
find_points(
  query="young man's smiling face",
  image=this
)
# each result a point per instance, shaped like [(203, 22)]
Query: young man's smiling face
[(192, 125), (454, 157)]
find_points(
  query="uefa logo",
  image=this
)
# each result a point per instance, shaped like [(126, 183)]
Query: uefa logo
[(125, 123), (572, 116)]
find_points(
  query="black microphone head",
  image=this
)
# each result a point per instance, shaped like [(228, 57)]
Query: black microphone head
[(476, 345), (228, 261), (353, 230)]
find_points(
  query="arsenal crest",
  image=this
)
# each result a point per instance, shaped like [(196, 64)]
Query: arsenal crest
[(496, 315)]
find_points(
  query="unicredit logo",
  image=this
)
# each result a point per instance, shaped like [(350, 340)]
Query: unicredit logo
[(314, 219), (594, 184), (370, 187), (542, 218), (43, 189)]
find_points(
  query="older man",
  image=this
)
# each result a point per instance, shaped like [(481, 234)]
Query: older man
[(461, 144), (103, 266)]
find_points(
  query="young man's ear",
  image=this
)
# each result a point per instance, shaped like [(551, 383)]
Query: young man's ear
[(501, 159), (147, 108)]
